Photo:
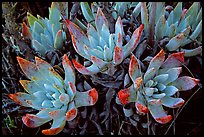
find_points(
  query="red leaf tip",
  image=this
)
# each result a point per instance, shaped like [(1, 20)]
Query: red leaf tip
[(123, 96), (164, 120)]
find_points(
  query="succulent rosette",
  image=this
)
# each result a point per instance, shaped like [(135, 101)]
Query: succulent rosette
[(55, 98), (101, 47), (45, 34), (157, 86), (181, 26)]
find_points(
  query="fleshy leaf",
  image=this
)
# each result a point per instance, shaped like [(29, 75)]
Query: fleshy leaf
[(27, 67), (100, 63), (161, 78), (57, 126), (175, 42), (173, 74), (134, 68), (58, 43), (72, 112), (26, 32), (170, 90), (100, 20), (37, 120), (117, 55), (133, 42), (21, 98), (87, 98), (157, 61), (174, 60), (172, 102), (86, 11), (86, 71), (69, 70), (149, 74), (159, 114), (185, 83), (140, 104)]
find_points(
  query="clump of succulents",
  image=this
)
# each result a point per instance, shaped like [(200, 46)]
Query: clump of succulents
[(55, 98), (101, 47), (45, 34), (157, 86), (180, 26)]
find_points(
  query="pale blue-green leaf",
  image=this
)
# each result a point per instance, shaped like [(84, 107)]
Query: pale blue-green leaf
[(173, 74), (47, 104), (149, 83), (137, 10), (58, 43), (100, 20), (144, 16), (172, 102), (177, 12), (170, 90), (176, 42), (192, 52), (149, 74), (38, 47), (161, 86), (108, 54), (159, 96), (161, 78), (185, 83)]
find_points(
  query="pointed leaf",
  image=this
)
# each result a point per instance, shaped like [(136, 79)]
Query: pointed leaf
[(157, 61), (86, 71), (100, 20), (27, 67), (127, 95), (134, 68), (173, 74), (21, 98), (149, 74), (174, 60), (132, 44), (86, 11), (161, 78), (117, 55), (172, 102), (100, 63), (58, 40), (26, 31), (69, 70), (185, 83)]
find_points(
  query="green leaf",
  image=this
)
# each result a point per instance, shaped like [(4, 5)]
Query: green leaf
[(86, 11)]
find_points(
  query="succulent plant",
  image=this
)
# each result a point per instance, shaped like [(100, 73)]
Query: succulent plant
[(46, 34), (55, 98), (122, 7), (101, 47), (181, 26), (157, 86)]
